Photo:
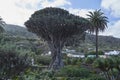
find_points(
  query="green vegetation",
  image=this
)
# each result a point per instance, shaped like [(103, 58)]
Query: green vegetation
[(12, 64), (94, 53), (105, 42), (15, 30), (110, 67), (23, 56)]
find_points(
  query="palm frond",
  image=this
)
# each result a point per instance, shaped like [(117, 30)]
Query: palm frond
[(98, 20), (2, 23)]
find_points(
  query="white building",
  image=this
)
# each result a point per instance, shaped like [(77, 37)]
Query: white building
[(112, 52), (73, 55)]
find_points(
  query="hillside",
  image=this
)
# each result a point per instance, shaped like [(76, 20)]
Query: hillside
[(105, 42), (15, 30)]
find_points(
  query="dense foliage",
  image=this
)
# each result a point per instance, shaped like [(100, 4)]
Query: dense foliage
[(24, 57), (110, 67), (12, 64)]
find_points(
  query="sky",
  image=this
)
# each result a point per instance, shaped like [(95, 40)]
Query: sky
[(18, 11)]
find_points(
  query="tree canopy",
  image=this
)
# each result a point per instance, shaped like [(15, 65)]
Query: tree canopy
[(55, 22), (98, 20)]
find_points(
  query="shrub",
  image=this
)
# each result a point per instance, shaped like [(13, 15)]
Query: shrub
[(67, 61), (12, 64), (95, 77), (108, 65), (73, 71), (72, 61), (89, 60), (94, 53), (44, 60)]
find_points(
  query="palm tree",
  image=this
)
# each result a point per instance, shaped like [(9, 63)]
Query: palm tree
[(99, 22), (2, 23)]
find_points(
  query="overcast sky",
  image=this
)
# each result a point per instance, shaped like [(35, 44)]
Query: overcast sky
[(18, 11)]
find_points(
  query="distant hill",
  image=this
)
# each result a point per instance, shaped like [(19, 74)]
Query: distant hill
[(15, 30), (105, 42)]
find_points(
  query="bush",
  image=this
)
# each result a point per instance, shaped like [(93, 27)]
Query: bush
[(67, 61), (44, 60), (94, 77), (72, 61), (89, 60), (12, 64), (108, 65), (94, 53), (47, 75), (73, 71)]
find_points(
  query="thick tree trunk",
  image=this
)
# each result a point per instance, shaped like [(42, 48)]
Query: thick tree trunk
[(56, 54), (56, 62), (96, 43)]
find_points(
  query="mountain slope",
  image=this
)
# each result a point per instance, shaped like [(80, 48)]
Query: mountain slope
[(15, 30), (105, 42)]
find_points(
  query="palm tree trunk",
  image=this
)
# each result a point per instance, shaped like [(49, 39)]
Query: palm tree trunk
[(96, 43)]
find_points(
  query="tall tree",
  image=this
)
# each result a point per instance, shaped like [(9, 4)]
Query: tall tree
[(2, 23), (99, 22), (56, 25)]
